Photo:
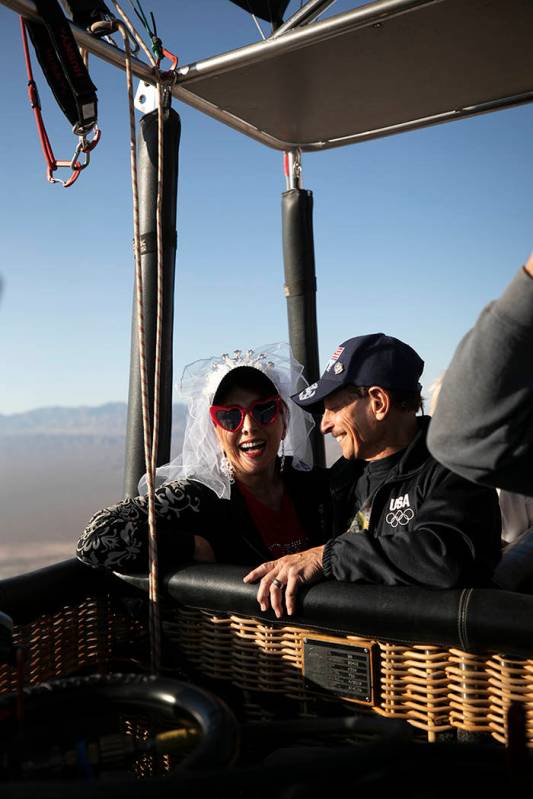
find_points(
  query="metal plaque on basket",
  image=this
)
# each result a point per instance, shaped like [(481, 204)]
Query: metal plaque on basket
[(344, 669)]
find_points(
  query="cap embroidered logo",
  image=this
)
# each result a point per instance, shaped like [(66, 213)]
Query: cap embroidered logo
[(308, 392)]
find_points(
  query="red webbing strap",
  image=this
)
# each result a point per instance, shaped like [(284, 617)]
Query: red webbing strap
[(33, 94)]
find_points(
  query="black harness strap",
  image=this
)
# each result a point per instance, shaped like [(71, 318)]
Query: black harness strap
[(86, 12), (63, 65)]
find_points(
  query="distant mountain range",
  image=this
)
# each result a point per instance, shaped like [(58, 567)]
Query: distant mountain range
[(58, 466), (103, 420)]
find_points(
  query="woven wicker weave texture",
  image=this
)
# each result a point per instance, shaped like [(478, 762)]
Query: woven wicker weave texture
[(433, 688)]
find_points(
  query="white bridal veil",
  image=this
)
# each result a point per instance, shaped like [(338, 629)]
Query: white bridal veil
[(201, 456)]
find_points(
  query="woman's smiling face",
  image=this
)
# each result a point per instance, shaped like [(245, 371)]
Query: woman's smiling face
[(252, 449)]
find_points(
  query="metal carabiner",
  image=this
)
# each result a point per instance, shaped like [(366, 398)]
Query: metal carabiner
[(72, 179), (104, 29), (75, 163), (85, 146), (172, 58), (91, 144), (168, 78)]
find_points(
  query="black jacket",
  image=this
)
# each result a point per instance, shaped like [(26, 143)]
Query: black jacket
[(427, 526), (117, 537)]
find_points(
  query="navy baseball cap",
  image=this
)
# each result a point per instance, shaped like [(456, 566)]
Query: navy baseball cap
[(372, 360)]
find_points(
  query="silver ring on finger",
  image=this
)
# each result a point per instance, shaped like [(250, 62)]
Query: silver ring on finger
[(277, 583)]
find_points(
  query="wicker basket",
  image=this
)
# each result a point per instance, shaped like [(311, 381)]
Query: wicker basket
[(433, 688), (76, 639)]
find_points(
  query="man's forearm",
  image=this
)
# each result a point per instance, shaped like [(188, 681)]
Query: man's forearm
[(481, 428)]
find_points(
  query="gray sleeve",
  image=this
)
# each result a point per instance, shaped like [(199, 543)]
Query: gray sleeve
[(483, 424)]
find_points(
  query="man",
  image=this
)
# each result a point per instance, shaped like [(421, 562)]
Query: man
[(483, 424), (400, 518)]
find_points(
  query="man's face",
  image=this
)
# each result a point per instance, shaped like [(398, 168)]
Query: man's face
[(352, 423)]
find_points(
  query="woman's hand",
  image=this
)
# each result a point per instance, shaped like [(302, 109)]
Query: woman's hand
[(203, 551), (285, 576)]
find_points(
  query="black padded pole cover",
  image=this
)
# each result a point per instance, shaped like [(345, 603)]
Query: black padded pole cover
[(300, 288), (473, 619), (27, 596), (147, 173)]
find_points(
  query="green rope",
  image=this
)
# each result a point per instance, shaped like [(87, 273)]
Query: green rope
[(157, 44)]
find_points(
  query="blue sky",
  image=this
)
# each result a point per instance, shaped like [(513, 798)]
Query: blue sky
[(414, 233)]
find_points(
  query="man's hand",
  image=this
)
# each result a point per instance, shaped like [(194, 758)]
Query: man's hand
[(285, 575)]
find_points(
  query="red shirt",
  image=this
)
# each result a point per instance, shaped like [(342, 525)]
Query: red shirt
[(280, 530)]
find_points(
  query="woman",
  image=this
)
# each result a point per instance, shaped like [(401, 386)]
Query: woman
[(233, 495)]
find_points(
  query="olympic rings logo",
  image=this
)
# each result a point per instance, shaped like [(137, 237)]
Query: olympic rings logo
[(400, 517)]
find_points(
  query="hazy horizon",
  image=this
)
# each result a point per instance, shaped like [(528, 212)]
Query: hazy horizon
[(59, 405), (58, 466)]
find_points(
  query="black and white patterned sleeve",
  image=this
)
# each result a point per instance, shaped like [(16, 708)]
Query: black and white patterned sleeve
[(116, 537)]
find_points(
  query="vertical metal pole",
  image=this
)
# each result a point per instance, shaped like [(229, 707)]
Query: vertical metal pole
[(147, 166), (300, 279)]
